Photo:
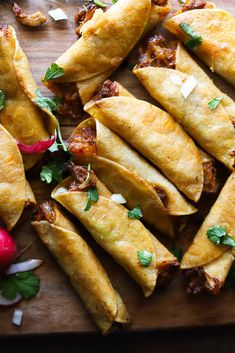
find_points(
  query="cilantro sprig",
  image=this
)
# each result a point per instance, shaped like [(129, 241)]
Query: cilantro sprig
[(26, 284), (196, 38), (145, 257), (213, 103), (45, 102), (53, 72), (53, 171), (93, 196), (135, 213), (2, 99), (218, 235)]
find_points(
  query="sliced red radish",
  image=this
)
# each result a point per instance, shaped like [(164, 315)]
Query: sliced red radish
[(38, 147), (28, 265), (7, 249), (7, 302)]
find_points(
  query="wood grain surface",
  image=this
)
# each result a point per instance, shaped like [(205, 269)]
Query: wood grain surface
[(57, 308)]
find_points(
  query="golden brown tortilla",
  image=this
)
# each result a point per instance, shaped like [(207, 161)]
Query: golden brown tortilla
[(25, 121), (109, 224), (217, 29), (202, 251), (156, 135), (84, 270), (15, 192), (105, 42)]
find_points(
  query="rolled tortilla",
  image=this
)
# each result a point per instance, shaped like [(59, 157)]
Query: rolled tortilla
[(218, 39), (84, 270), (121, 236), (210, 277), (125, 172), (202, 251), (25, 121), (15, 191), (212, 129), (156, 135), (107, 38)]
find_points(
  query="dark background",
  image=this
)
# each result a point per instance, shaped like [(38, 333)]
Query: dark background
[(209, 340)]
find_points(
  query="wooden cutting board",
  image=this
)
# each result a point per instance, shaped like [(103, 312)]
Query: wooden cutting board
[(57, 308)]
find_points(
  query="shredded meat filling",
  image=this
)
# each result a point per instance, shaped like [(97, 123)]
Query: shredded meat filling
[(71, 105), (194, 5), (34, 20), (45, 212), (158, 52), (83, 179), (83, 143), (85, 13), (197, 282), (166, 272), (107, 89), (159, 2), (210, 178)]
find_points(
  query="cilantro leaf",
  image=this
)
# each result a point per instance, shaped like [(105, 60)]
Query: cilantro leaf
[(2, 99), (93, 196), (99, 3), (196, 38), (218, 235), (45, 102), (228, 241), (145, 257), (213, 103), (114, 1), (53, 72), (182, 1), (25, 283), (53, 171), (136, 213), (178, 252)]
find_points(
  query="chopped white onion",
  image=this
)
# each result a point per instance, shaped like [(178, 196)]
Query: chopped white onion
[(177, 80), (28, 265), (188, 86), (17, 317), (7, 302), (58, 14), (118, 198), (60, 191)]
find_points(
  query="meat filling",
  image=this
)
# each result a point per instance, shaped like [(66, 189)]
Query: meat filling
[(83, 143), (34, 20), (45, 212), (71, 105), (197, 282), (85, 13), (194, 5), (210, 178), (83, 178), (158, 52), (166, 272), (107, 89)]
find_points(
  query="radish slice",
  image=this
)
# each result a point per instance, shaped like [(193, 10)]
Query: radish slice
[(38, 147), (7, 302), (17, 317), (28, 265)]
